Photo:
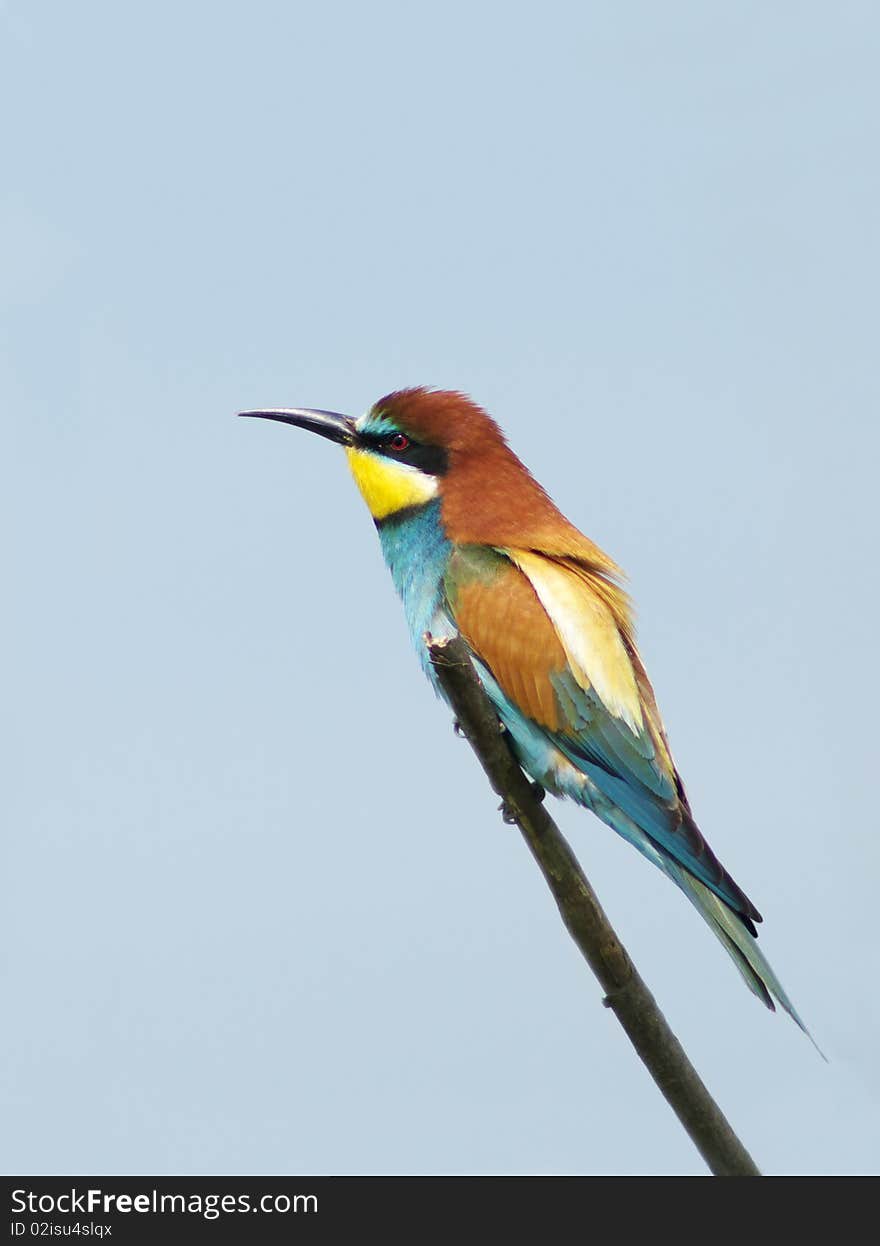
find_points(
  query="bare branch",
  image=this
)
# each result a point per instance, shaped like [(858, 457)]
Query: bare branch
[(625, 992)]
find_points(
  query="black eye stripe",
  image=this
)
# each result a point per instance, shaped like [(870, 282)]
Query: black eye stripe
[(431, 459)]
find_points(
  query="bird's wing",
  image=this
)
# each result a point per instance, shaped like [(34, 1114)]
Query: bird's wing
[(556, 636)]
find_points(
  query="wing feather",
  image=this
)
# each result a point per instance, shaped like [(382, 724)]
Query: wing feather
[(562, 650), (499, 615)]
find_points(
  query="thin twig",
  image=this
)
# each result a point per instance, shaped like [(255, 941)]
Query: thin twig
[(625, 992)]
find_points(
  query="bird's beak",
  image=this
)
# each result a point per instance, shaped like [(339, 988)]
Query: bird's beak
[(328, 424)]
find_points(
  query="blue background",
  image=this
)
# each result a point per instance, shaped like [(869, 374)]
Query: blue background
[(260, 914)]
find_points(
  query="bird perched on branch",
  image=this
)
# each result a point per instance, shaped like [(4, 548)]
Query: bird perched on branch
[(477, 548)]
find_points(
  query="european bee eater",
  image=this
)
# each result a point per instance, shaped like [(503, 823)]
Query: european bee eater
[(476, 548)]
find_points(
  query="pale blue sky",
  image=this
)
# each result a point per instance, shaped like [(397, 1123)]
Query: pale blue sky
[(260, 914)]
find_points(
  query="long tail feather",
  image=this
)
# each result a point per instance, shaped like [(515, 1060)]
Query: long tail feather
[(740, 944)]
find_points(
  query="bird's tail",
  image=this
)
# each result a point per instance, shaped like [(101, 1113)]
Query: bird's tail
[(740, 944)]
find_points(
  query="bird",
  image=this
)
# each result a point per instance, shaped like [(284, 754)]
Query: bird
[(476, 548)]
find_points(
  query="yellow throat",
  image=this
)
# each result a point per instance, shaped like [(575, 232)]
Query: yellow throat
[(387, 486)]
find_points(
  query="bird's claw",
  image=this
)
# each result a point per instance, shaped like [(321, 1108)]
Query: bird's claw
[(509, 813)]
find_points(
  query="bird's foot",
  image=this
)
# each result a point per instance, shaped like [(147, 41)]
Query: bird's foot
[(459, 730), (509, 813)]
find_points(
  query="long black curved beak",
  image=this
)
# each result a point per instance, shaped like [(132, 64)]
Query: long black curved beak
[(338, 428)]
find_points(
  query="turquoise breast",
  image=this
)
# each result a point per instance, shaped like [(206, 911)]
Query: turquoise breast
[(417, 552)]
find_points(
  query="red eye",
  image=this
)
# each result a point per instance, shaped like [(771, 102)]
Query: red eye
[(399, 441)]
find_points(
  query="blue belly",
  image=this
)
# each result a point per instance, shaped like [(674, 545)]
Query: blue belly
[(417, 552)]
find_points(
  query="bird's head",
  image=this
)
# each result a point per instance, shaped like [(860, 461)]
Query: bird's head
[(408, 446), (418, 445)]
